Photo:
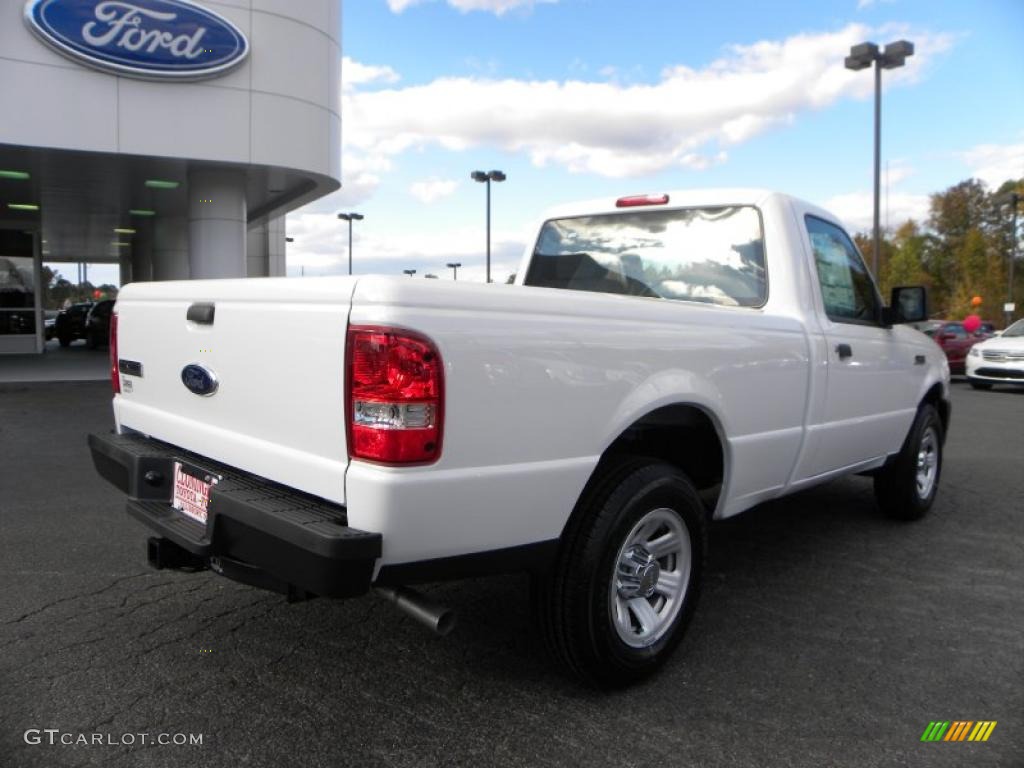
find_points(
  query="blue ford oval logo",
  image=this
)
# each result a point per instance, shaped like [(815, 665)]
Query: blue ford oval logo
[(198, 379), (154, 39)]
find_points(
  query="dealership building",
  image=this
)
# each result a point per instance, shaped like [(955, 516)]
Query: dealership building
[(164, 136)]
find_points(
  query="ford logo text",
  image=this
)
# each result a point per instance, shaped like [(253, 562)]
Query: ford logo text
[(200, 380), (152, 39)]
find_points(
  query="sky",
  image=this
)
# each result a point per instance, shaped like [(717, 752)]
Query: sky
[(577, 99)]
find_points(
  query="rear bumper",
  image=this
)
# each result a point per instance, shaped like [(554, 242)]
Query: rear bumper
[(254, 526)]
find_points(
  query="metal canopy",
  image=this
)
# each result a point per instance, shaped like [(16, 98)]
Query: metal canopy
[(84, 196)]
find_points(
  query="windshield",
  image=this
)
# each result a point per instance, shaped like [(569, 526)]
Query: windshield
[(710, 255), (1017, 329)]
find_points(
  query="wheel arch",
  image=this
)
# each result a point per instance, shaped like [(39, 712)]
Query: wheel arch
[(686, 435), (935, 396)]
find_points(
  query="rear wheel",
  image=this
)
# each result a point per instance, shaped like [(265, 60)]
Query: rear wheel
[(628, 575), (906, 488), (979, 384), (65, 341)]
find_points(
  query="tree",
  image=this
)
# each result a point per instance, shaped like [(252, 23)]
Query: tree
[(1007, 241), (980, 274), (906, 264)]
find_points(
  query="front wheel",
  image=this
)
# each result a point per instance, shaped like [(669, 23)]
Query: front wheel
[(977, 384), (906, 488), (628, 575)]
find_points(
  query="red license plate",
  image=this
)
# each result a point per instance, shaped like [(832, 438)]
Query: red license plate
[(192, 490)]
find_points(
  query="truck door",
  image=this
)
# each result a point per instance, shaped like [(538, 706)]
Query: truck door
[(871, 387)]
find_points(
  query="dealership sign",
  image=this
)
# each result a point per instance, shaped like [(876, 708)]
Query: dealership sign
[(152, 39)]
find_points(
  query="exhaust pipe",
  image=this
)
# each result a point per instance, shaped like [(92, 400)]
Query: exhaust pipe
[(439, 618)]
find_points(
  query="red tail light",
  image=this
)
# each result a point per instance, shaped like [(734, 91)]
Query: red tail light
[(115, 376), (395, 396)]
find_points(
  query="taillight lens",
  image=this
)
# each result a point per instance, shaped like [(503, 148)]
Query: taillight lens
[(115, 376), (636, 200), (395, 396)]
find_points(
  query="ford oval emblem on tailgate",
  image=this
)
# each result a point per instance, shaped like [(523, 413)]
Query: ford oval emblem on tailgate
[(198, 379)]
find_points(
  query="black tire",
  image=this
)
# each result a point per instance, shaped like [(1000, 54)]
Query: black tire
[(92, 341), (575, 604), (65, 341), (976, 384), (897, 490)]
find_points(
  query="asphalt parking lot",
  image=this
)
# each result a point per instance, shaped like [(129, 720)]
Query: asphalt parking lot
[(827, 635)]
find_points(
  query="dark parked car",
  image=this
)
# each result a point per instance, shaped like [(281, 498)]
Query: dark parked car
[(956, 342), (97, 323), (70, 323)]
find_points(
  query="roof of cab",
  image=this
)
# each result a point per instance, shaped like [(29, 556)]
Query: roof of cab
[(679, 198)]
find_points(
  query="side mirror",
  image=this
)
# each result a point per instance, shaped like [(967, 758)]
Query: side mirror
[(909, 304)]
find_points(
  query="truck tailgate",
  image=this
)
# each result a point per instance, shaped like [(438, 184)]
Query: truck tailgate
[(277, 349)]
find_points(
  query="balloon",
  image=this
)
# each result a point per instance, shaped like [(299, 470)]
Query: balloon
[(976, 301), (972, 323)]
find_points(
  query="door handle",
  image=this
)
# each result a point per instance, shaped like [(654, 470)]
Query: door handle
[(201, 314), (844, 351)]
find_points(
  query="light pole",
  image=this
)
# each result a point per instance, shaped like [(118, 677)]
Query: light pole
[(350, 217), (1013, 198), (454, 267), (409, 272), (487, 177), (861, 57)]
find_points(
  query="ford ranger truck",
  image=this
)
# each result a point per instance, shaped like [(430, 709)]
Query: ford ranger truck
[(660, 362)]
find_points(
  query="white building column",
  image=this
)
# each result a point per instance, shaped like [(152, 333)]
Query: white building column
[(256, 250), (170, 248), (142, 252), (276, 246), (266, 244), (216, 224)]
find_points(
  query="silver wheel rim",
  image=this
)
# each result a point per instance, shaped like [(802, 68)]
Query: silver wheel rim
[(927, 462), (650, 578)]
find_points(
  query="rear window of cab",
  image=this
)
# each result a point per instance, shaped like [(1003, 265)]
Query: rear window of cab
[(711, 255)]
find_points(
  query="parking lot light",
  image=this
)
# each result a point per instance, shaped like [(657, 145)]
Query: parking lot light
[(861, 57)]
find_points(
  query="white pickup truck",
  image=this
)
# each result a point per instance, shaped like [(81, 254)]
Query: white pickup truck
[(662, 360)]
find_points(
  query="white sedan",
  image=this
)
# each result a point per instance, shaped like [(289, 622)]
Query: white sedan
[(999, 360)]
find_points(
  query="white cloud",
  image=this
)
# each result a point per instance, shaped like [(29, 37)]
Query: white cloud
[(431, 190), (896, 171), (856, 209), (355, 73), (360, 178), (321, 246), (996, 163), (617, 130), (862, 4), (497, 7)]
